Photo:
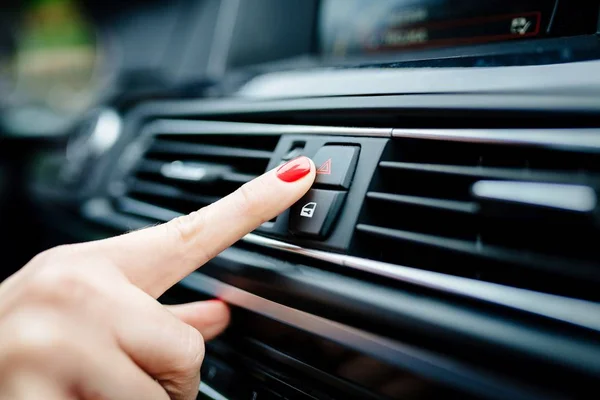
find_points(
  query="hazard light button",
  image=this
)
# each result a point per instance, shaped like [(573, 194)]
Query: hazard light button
[(335, 166)]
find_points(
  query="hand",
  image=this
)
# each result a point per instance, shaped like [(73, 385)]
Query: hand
[(81, 321)]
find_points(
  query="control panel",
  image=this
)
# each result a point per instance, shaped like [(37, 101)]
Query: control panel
[(316, 212), (325, 217)]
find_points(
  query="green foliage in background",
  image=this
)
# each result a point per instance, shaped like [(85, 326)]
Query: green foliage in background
[(54, 24)]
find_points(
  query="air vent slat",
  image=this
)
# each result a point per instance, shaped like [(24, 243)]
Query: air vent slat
[(481, 172), (234, 177), (450, 244), (470, 259), (156, 168), (150, 166), (457, 206), (517, 215), (169, 192), (152, 188), (146, 210), (207, 150), (180, 172)]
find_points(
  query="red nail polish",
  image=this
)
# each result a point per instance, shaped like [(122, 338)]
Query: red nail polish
[(294, 169)]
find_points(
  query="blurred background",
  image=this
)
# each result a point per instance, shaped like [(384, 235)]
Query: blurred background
[(50, 60)]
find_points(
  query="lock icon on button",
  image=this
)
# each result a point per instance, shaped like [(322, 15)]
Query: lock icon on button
[(306, 220), (308, 209)]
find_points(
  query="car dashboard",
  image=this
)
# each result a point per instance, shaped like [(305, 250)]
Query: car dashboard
[(449, 245)]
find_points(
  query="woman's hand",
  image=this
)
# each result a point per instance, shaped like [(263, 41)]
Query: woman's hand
[(81, 321)]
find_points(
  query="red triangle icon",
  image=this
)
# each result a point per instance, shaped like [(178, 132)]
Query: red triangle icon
[(325, 168)]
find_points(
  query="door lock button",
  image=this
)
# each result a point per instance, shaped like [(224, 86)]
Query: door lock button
[(336, 165), (315, 213)]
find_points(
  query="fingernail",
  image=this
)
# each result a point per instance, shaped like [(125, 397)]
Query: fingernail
[(294, 169)]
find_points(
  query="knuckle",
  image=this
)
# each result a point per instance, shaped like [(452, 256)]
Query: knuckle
[(61, 284), (250, 199), (38, 335), (55, 255), (185, 227)]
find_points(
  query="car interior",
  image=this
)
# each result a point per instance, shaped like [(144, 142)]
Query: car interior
[(449, 247)]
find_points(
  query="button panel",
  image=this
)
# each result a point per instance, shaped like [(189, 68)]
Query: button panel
[(315, 213), (347, 164), (336, 165)]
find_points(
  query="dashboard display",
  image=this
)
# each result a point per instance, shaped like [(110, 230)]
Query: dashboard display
[(351, 27)]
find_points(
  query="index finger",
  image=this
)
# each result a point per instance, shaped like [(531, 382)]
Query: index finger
[(156, 258)]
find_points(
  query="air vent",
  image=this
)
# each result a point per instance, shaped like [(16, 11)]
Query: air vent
[(519, 215), (181, 172)]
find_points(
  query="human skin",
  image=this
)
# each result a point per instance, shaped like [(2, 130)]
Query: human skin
[(82, 321)]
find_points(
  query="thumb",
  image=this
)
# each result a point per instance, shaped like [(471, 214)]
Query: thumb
[(210, 318)]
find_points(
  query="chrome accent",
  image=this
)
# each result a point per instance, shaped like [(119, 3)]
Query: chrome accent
[(586, 139), (392, 352), (582, 313), (106, 132), (577, 312), (553, 195), (183, 171), (577, 138), (547, 305), (96, 207), (210, 392), (292, 248), (94, 136), (98, 135), (200, 127)]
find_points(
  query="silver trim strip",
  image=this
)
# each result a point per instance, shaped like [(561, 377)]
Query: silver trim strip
[(578, 138), (210, 392), (292, 248), (577, 312), (201, 127), (395, 353), (576, 198), (584, 139)]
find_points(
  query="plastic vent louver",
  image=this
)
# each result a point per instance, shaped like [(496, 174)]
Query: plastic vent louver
[(518, 215), (179, 173)]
